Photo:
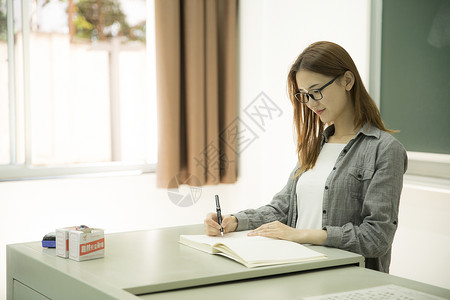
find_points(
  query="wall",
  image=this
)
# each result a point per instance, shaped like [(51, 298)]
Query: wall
[(271, 36), (422, 242)]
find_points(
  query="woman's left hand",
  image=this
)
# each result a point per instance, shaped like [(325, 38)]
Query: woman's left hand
[(276, 230)]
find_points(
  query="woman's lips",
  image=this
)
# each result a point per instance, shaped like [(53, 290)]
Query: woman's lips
[(320, 111)]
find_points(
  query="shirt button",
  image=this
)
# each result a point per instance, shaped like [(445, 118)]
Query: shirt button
[(334, 168), (359, 176), (324, 211), (326, 187), (345, 151)]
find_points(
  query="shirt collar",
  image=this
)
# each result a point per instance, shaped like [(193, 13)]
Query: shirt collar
[(366, 130), (370, 131)]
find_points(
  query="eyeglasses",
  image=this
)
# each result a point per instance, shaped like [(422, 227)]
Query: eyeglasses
[(315, 94)]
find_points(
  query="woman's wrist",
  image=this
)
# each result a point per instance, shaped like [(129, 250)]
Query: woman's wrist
[(230, 223), (235, 223), (312, 236)]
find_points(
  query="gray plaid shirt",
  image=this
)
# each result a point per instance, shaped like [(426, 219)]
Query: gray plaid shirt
[(361, 198)]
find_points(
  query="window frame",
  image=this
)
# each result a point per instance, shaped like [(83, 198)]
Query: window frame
[(26, 170)]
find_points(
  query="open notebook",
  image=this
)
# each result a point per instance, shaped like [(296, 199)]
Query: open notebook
[(252, 251)]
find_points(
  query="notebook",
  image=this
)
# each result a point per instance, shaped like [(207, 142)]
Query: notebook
[(252, 251)]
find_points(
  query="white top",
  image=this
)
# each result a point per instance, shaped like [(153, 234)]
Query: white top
[(311, 185)]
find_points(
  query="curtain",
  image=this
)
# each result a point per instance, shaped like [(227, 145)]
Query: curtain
[(196, 67)]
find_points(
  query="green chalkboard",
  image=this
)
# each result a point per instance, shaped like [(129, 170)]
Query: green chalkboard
[(415, 73)]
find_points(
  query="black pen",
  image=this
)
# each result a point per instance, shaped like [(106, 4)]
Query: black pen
[(219, 214)]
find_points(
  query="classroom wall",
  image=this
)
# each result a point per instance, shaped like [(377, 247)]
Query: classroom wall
[(271, 36), (421, 246)]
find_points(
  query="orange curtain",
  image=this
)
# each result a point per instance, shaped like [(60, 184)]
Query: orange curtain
[(196, 67)]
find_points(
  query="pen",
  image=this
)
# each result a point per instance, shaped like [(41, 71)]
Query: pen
[(219, 214)]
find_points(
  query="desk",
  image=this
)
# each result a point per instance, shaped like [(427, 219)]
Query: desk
[(298, 285), (139, 263)]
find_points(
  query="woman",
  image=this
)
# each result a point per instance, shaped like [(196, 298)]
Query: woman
[(345, 190)]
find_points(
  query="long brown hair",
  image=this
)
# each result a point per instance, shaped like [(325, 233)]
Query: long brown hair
[(328, 59)]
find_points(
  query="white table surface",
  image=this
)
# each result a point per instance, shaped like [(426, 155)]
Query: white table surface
[(150, 261)]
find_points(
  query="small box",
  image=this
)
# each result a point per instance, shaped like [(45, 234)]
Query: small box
[(86, 245), (62, 241)]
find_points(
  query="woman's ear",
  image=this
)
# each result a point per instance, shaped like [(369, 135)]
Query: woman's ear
[(349, 80)]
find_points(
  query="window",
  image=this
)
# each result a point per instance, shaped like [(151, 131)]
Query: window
[(4, 115), (77, 87)]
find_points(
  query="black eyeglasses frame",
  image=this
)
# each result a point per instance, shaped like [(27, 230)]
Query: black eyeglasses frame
[(299, 96)]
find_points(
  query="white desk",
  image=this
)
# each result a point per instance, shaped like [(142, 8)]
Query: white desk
[(139, 263)]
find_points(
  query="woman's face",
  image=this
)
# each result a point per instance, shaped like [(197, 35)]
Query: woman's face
[(336, 105)]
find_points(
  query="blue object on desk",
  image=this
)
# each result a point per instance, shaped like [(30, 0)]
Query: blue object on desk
[(49, 240)]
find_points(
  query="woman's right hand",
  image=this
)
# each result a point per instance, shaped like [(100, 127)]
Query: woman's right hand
[(212, 227)]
